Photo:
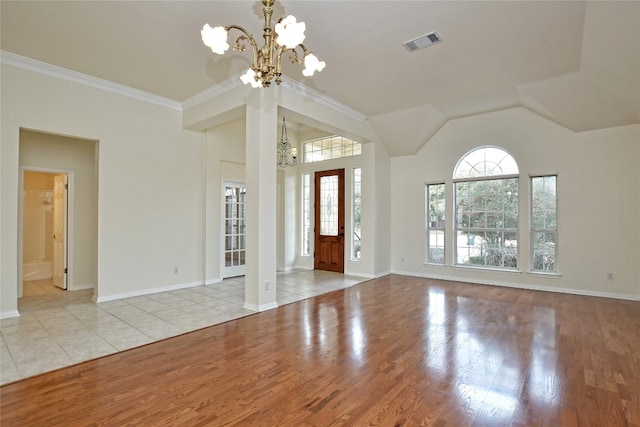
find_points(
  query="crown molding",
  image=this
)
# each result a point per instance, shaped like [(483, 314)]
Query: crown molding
[(322, 99), (226, 85), (73, 76), (234, 82)]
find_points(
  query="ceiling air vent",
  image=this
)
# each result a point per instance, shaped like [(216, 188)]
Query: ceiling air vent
[(422, 41)]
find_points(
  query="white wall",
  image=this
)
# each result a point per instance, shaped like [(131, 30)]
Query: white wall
[(382, 198), (225, 152), (598, 191), (151, 175)]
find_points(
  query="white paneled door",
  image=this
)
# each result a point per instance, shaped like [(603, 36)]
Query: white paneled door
[(234, 229), (60, 186)]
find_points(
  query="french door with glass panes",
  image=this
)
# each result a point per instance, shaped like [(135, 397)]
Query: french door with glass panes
[(234, 223)]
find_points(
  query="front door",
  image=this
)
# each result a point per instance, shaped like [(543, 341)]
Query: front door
[(329, 220), (234, 229), (60, 186)]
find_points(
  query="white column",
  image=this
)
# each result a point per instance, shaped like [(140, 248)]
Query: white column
[(261, 143)]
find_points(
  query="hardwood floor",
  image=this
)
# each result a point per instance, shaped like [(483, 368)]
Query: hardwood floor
[(392, 351)]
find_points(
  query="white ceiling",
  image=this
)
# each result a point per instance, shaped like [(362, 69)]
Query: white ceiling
[(574, 62)]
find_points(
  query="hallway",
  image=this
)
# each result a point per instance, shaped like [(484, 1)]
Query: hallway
[(60, 328)]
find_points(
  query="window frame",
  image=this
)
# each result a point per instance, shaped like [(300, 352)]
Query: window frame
[(305, 223), (329, 148), (533, 230), (356, 203), (438, 227), (485, 253)]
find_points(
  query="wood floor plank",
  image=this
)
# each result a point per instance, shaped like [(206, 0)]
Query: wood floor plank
[(394, 351)]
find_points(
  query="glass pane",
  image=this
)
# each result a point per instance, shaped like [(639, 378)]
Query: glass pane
[(332, 147), (356, 214), (544, 251), (543, 203), (469, 248), (486, 161), (306, 217), (510, 250), (488, 248), (435, 206), (329, 205), (436, 246), (230, 226)]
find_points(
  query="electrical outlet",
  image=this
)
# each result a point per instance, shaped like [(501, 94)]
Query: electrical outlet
[(610, 276), (266, 286), (176, 270)]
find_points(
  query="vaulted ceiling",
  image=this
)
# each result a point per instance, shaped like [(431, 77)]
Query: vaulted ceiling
[(574, 62)]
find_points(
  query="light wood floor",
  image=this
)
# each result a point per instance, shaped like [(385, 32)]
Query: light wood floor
[(392, 351)]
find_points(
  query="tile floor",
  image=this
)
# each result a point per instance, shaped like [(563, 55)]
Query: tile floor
[(58, 328)]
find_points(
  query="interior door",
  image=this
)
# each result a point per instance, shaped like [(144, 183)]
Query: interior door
[(329, 220), (234, 229), (60, 199)]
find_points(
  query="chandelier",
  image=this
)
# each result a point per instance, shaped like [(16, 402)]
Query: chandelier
[(267, 61), (287, 156)]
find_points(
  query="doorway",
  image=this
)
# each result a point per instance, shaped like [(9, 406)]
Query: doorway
[(329, 221), (234, 229), (45, 220), (77, 158)]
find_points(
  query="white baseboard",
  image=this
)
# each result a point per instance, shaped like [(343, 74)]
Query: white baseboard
[(9, 314), (213, 281), (83, 287), (573, 291), (149, 291), (263, 307), (378, 275)]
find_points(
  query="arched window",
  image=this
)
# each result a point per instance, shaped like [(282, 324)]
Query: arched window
[(486, 209), (485, 161)]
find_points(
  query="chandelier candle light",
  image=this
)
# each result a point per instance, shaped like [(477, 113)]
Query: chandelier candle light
[(267, 64), (287, 155)]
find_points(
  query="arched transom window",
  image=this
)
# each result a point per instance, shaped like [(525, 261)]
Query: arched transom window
[(485, 161)]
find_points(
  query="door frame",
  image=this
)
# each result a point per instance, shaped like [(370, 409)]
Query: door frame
[(64, 262), (223, 217), (70, 221), (341, 173)]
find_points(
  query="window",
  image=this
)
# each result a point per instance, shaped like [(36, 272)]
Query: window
[(306, 217), (544, 226), (332, 147), (434, 213), (329, 210), (486, 209), (356, 242)]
